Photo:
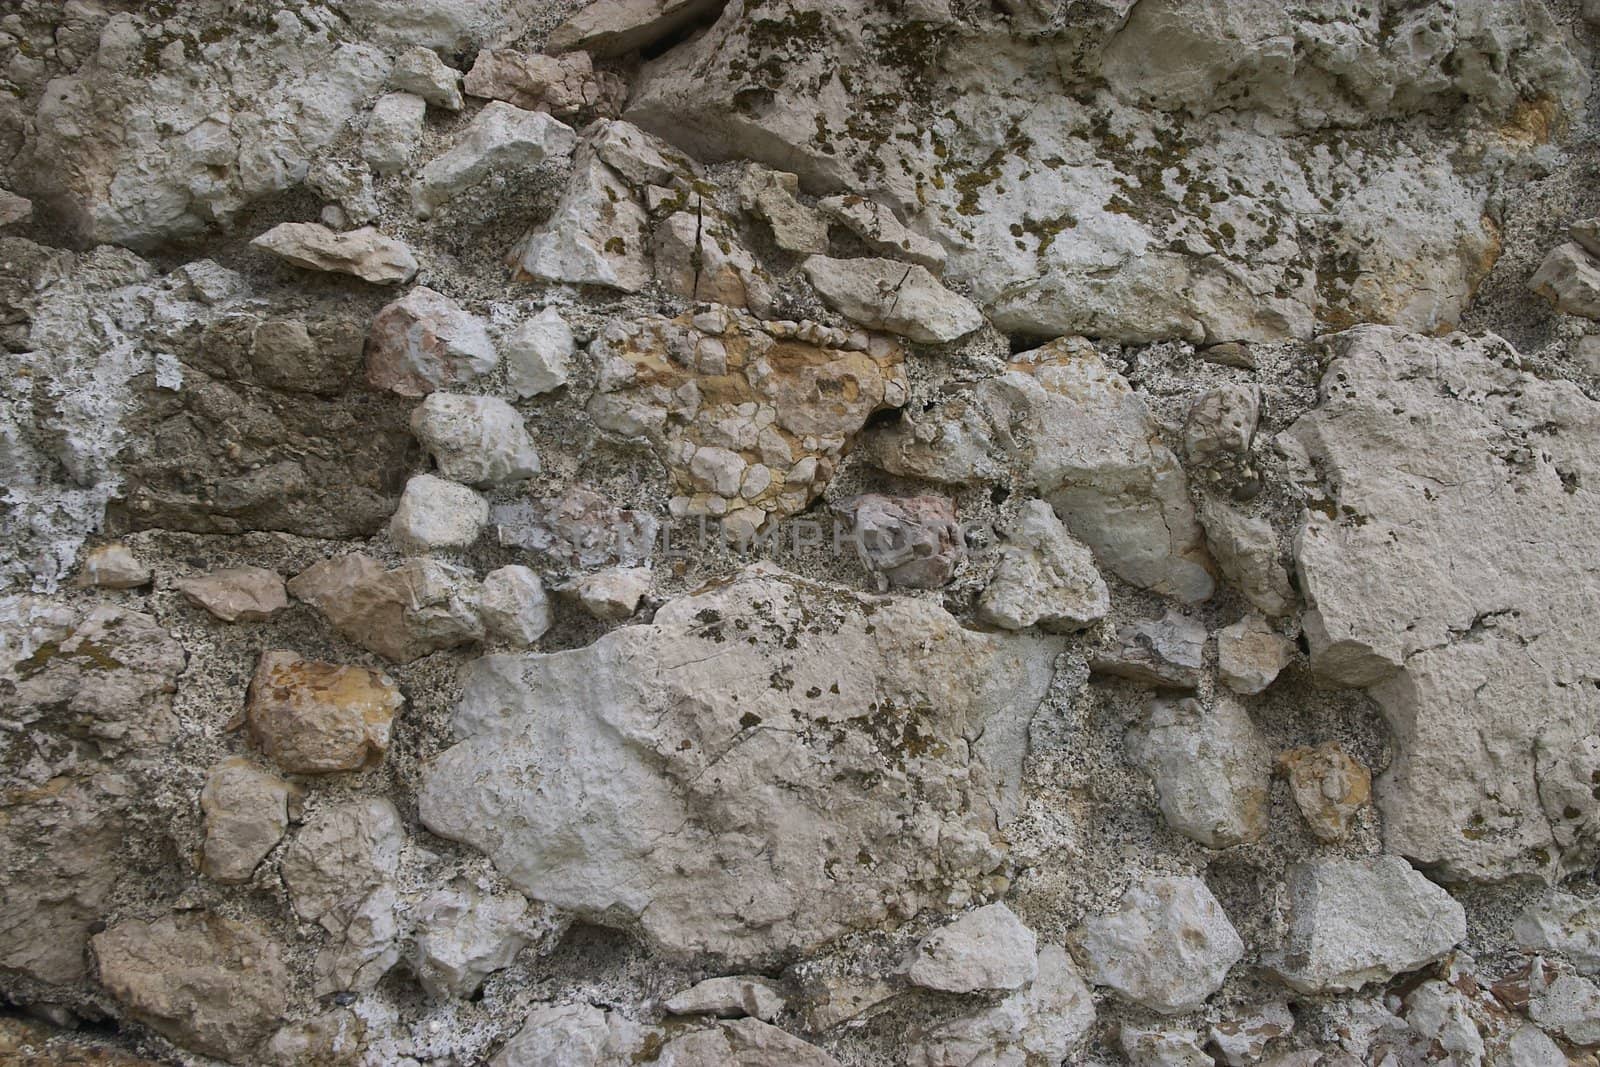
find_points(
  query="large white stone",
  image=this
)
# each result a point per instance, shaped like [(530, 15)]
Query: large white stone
[(501, 138), (1210, 768), (902, 298), (598, 234), (1168, 946), (479, 440), (985, 949), (1046, 577)]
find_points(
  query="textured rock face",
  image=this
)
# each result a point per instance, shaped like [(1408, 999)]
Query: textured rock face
[(1167, 947), (1449, 471), (888, 800), (311, 717)]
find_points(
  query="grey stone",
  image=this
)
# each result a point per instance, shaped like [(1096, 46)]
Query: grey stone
[(567, 86), (613, 594), (363, 253), (426, 341), (617, 27), (911, 542), (571, 1035), (1561, 922), (500, 139), (901, 298), (394, 129), (1569, 278), (421, 71), (463, 935), (246, 812), (1565, 1005), (539, 354), (237, 594), (883, 232), (1167, 652), (597, 235), (1245, 549), (773, 196), (1250, 653), (514, 607), (479, 440), (1168, 947), (112, 566), (730, 997), (1210, 768), (1045, 577), (985, 949), (1044, 1022), (402, 613), (436, 513)]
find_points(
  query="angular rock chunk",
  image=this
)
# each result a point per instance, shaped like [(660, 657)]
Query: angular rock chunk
[(744, 1043), (393, 130), (237, 594), (436, 513), (616, 27), (698, 256), (1046, 577), (613, 594), (580, 528), (311, 717), (246, 811), (1329, 787), (463, 935), (565, 86), (1210, 769), (1354, 922), (1168, 947), (425, 341), (515, 607), (1569, 278), (1565, 1005), (421, 71), (208, 983), (883, 232), (1169, 652), (1563, 923), (113, 566), (416, 608), (14, 208), (1045, 1022), (597, 235), (557, 1035), (501, 138), (985, 949), (1245, 549), (1222, 423), (1250, 654), (709, 729), (911, 542), (773, 196), (1447, 473), (1241, 1037), (363, 253), (904, 299), (539, 354), (1160, 1046), (334, 1039), (479, 440), (730, 998)]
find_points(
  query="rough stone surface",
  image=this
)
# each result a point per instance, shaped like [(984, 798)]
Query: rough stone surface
[(1167, 652), (901, 298), (1044, 1022), (1250, 654), (616, 27), (1045, 577), (1566, 924), (437, 513), (237, 594), (311, 717), (501, 139), (1569, 278), (363, 253), (539, 354), (421, 71), (247, 812), (514, 606), (1210, 769), (1329, 788), (729, 997), (112, 566), (479, 440), (400, 613), (426, 341), (985, 949), (912, 542), (463, 936)]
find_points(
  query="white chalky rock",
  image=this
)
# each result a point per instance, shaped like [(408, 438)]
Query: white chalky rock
[(420, 71), (1569, 278), (1210, 767), (1441, 1014), (739, 793), (729, 997), (1159, 1046), (572, 1035), (1250, 653), (1561, 922), (743, 1043), (1168, 947), (501, 138), (539, 354), (113, 566), (515, 607), (1447, 472), (246, 811), (771, 195), (985, 949), (1241, 1037), (614, 593), (1353, 922), (463, 935), (1565, 1005), (1245, 549), (1046, 577), (882, 231), (902, 298), (437, 513), (1222, 423), (617, 27), (393, 130), (426, 341), (1168, 652), (363, 253), (598, 234), (1042, 1023), (479, 440)]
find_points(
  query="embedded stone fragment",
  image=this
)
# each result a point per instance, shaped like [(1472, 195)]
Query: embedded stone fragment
[(734, 717), (1442, 1015), (1569, 278), (1329, 787), (312, 717), (1245, 549), (1250, 654), (463, 935), (580, 528), (394, 127), (14, 208), (609, 28), (237, 594), (1241, 1037), (597, 235), (479, 440), (565, 85), (1046, 577), (1222, 423), (501, 138), (112, 566), (1565, 1005), (425, 341), (514, 607), (613, 594), (334, 1039), (731, 997), (1168, 947), (1564, 923), (208, 983), (912, 542), (1357, 921), (1159, 1046), (883, 232), (577, 1034), (744, 1043), (422, 72), (772, 195), (985, 949), (1043, 1022), (698, 256), (1447, 471), (539, 354), (246, 811), (436, 513), (1169, 651), (1210, 769), (904, 299), (363, 253), (402, 613)]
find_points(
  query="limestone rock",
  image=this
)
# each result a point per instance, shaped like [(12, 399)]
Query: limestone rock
[(539, 354), (1043, 1022), (580, 529), (1569, 278), (463, 935), (699, 257), (312, 717), (985, 949), (14, 208), (911, 542), (1222, 423), (783, 747), (341, 855), (1563, 923), (1045, 578), (501, 138), (743, 1043), (335, 1039), (613, 594), (1328, 786), (416, 608), (426, 341), (393, 131), (1160, 1046), (579, 1035), (247, 812), (772, 195), (729, 997), (479, 440), (422, 72), (1168, 947), (1448, 468), (363, 253), (209, 983), (617, 27), (112, 566), (883, 232), (1167, 652), (1209, 766), (597, 235), (514, 607), (1565, 1005), (1241, 1037), (436, 513), (237, 594), (565, 85), (1250, 654), (1353, 922), (1245, 549), (901, 298)]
